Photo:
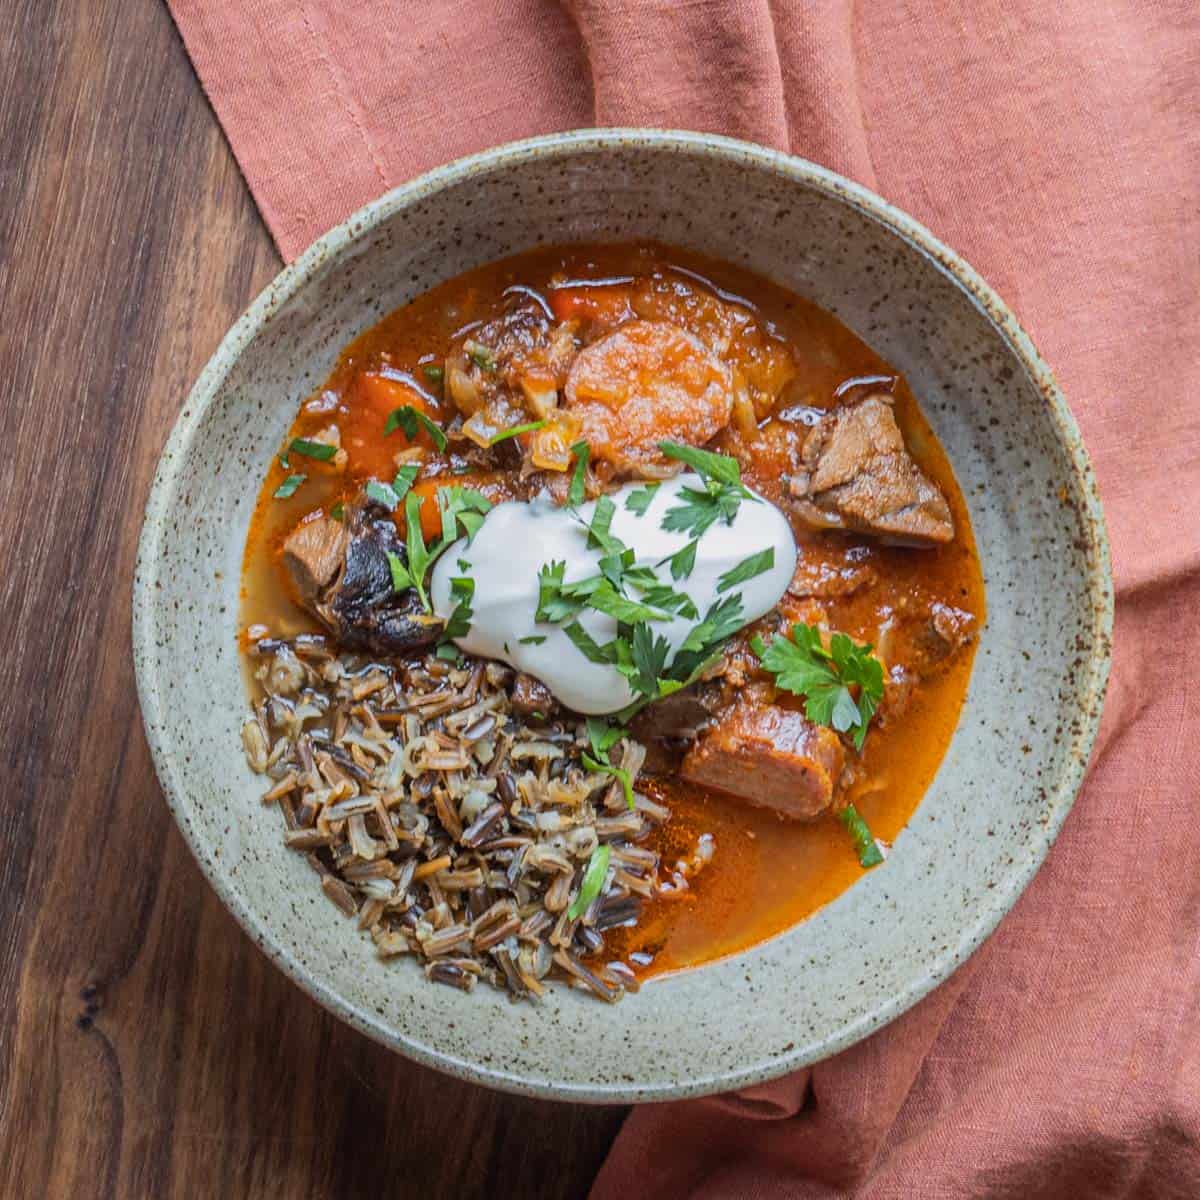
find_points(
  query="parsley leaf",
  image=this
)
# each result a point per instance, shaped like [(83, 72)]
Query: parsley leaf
[(401, 579), (419, 559), (288, 486), (582, 452), (593, 881), (553, 605), (412, 420), (517, 430), (405, 477), (598, 534), (433, 372), (382, 493), (649, 659), (534, 639), (802, 665), (869, 854), (709, 466), (587, 645), (606, 599), (338, 511), (638, 502), (748, 568), (321, 451), (462, 589), (683, 561), (603, 736)]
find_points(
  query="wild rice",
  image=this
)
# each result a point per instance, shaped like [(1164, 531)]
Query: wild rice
[(450, 827)]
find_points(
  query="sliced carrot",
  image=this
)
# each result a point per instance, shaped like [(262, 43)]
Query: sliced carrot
[(607, 304)]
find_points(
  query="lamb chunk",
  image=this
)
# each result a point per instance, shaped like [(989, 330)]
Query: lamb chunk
[(530, 695), (829, 581), (947, 631), (342, 574), (770, 756), (856, 474), (313, 554), (680, 716)]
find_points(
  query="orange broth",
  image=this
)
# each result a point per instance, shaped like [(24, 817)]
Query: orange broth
[(767, 872)]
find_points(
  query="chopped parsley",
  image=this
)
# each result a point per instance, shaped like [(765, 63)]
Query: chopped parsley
[(802, 665), (401, 579), (462, 591), (456, 506), (603, 736), (321, 451), (433, 372), (534, 639), (412, 420), (748, 568), (593, 881), (288, 486), (338, 511), (869, 854), (683, 561), (517, 430), (638, 502), (406, 476), (382, 493), (722, 496), (577, 491), (480, 355)]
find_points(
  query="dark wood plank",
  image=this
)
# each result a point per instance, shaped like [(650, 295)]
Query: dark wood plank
[(146, 1047)]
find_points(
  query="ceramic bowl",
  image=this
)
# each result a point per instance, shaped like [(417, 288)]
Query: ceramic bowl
[(1012, 769)]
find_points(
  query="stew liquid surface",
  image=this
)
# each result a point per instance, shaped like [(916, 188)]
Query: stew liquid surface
[(767, 872)]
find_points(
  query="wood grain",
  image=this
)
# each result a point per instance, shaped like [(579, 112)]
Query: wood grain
[(146, 1048)]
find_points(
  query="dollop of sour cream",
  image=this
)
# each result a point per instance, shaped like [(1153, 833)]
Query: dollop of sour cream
[(518, 538)]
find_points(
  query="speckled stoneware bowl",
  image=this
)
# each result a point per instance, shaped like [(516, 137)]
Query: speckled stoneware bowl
[(1013, 767)]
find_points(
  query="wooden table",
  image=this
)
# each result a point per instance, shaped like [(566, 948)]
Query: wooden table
[(146, 1047)]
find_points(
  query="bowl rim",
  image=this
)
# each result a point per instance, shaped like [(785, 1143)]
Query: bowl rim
[(295, 275)]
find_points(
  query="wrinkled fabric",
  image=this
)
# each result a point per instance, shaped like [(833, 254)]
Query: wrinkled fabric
[(1057, 146)]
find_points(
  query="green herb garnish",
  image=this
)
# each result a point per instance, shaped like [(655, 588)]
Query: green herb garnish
[(480, 355), (638, 502), (517, 430), (321, 451), (419, 559), (412, 420), (382, 493), (448, 652), (683, 561), (802, 665), (534, 639), (577, 491), (406, 476), (748, 568), (587, 645), (401, 579), (723, 491), (462, 590), (433, 372), (288, 486), (869, 854), (338, 511), (593, 881), (603, 736)]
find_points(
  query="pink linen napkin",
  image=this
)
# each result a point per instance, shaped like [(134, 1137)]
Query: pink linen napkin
[(1057, 146)]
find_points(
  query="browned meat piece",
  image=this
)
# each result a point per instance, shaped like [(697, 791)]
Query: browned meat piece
[(342, 574), (828, 581), (770, 756), (530, 695), (313, 554), (678, 717), (947, 631), (857, 475)]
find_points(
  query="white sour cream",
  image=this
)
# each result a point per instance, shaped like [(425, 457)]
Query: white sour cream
[(517, 539)]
